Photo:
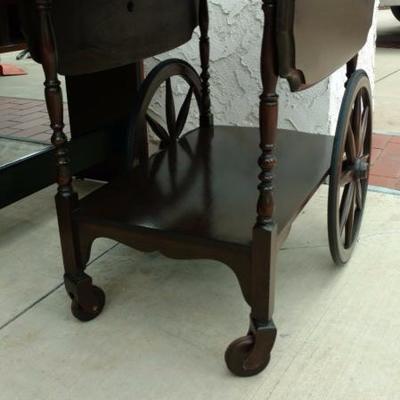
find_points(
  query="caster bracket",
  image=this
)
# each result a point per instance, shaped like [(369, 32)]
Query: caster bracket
[(80, 289), (264, 339)]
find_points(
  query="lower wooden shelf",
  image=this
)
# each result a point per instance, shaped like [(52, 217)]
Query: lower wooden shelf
[(205, 187)]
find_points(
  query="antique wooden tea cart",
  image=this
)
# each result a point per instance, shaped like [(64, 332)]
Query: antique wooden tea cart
[(213, 193)]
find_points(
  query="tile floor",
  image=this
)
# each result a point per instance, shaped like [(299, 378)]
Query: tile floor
[(25, 118), (385, 169)]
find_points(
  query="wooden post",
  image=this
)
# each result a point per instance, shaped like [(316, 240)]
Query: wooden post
[(264, 247), (268, 116), (66, 198), (54, 99), (206, 118)]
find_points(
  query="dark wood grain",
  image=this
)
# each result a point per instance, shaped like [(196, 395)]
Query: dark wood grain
[(87, 300), (190, 197), (104, 101), (206, 118), (93, 36), (316, 37)]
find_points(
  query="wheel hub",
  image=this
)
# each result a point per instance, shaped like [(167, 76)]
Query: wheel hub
[(360, 169)]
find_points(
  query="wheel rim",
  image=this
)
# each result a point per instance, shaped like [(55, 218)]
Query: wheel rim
[(183, 156), (350, 168), (143, 119)]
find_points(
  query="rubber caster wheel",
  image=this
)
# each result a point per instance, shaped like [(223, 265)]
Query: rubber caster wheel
[(237, 354), (96, 308)]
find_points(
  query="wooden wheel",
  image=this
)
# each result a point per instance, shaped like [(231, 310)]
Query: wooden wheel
[(350, 168), (237, 354), (251, 354), (143, 118)]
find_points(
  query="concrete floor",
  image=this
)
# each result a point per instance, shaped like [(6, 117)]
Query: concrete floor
[(164, 330), (387, 79)]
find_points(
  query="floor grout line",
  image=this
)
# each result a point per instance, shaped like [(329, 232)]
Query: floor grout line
[(36, 302), (387, 76)]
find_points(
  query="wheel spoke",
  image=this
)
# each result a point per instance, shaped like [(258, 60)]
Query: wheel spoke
[(186, 148), (351, 145), (172, 165), (347, 177), (357, 114), (359, 195), (350, 223), (158, 129), (345, 206), (363, 131), (183, 113), (170, 109)]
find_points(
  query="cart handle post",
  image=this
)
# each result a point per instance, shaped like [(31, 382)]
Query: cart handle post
[(206, 118), (66, 198), (265, 242), (53, 94), (268, 115)]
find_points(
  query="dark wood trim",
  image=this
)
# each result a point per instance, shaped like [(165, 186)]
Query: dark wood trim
[(87, 299), (268, 116), (53, 95), (13, 47), (206, 118)]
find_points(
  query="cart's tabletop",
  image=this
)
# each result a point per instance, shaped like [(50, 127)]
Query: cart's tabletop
[(314, 37)]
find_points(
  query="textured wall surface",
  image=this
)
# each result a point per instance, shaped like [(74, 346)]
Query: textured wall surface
[(236, 28)]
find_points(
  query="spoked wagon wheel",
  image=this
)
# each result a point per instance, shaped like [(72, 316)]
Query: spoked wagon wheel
[(143, 119), (350, 168)]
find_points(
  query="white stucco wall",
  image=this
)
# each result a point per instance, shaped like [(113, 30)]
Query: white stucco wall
[(235, 32)]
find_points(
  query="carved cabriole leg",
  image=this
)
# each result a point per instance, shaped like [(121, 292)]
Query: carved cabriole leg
[(206, 118), (251, 354), (86, 297)]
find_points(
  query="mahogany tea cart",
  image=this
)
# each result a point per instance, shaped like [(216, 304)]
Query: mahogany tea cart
[(218, 192)]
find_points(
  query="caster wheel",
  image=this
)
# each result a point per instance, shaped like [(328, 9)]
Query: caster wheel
[(96, 308), (237, 354)]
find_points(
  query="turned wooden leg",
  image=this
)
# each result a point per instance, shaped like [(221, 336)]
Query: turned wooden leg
[(250, 354), (206, 117), (87, 300)]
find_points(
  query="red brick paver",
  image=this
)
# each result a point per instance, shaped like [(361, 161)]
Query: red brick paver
[(385, 169), (25, 118)]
